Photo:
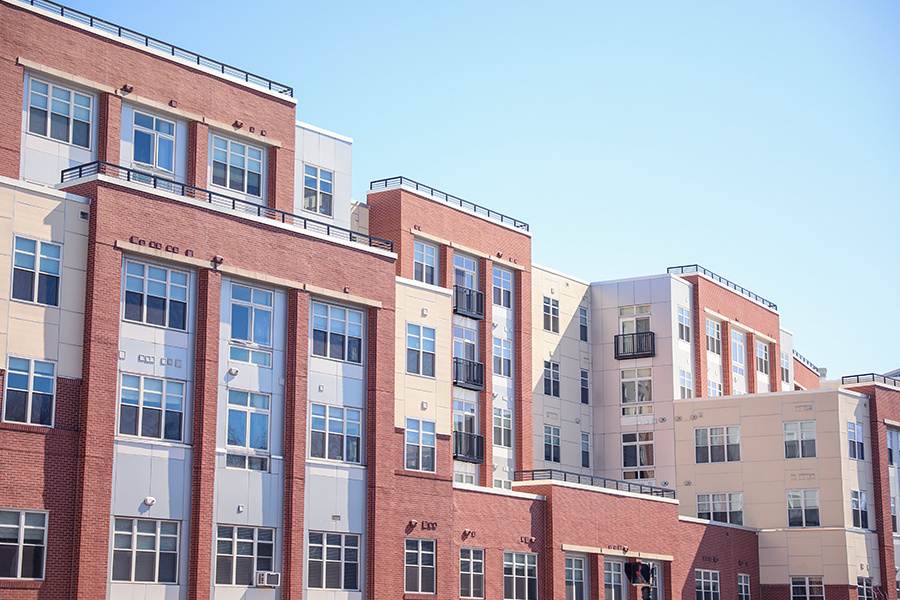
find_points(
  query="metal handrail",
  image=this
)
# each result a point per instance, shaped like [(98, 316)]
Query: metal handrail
[(642, 344), (222, 201), (468, 447), (601, 482), (805, 361), (448, 198), (680, 270), (468, 302), (870, 378), (139, 38), (468, 373)]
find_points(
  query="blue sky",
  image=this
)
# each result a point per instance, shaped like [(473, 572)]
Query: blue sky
[(760, 140)]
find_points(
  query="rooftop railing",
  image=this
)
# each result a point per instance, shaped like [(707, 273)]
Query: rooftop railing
[(686, 269), (222, 201), (149, 42), (449, 199), (601, 482), (870, 378), (805, 361)]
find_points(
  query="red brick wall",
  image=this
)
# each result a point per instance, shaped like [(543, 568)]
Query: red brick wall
[(805, 376)]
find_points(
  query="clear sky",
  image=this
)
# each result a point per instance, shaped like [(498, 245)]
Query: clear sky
[(758, 139)]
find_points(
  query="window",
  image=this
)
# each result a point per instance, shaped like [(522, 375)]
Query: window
[(471, 573), (502, 428), (684, 324), (613, 580), (502, 287), (154, 142), (317, 190), (420, 350), (724, 508), (157, 296), (762, 357), (145, 551), (807, 588), (465, 272), (803, 508), (151, 408), (251, 325), (684, 378), (864, 589), (502, 357), (36, 272), (585, 388), (424, 263), (335, 433), (333, 561), (419, 445), (30, 386), (241, 551), (713, 388), (717, 444), (551, 315), (892, 444), (737, 352), (586, 450), (551, 378), (743, 586), (23, 544), (337, 332), (551, 443), (574, 578), (237, 166), (706, 584), (893, 514), (855, 439), (713, 336), (637, 454), (248, 431), (785, 368), (800, 439), (59, 114), (582, 324), (859, 506), (503, 484), (519, 576), (637, 391), (420, 566), (465, 343)]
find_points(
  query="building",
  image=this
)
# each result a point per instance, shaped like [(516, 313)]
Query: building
[(223, 378)]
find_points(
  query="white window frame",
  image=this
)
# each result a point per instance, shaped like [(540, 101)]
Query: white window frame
[(240, 157), (502, 427), (520, 566), (252, 349), (167, 286), (127, 532), (471, 572), (330, 321), (785, 367), (582, 324), (502, 357), (713, 336), (684, 378), (335, 426), (22, 525), (157, 137), (503, 280), (643, 455), (261, 562), (743, 586), (586, 450), (419, 439), (859, 508), (684, 324), (45, 266), (420, 561), (738, 354), (797, 435), (425, 257), (864, 589), (551, 314), (727, 438), (551, 378), (762, 357), (318, 190), (328, 549), (856, 441), (613, 580), (246, 455), (420, 345), (72, 109), (633, 401), (803, 502), (551, 444), (585, 386), (723, 507), (713, 388), (14, 375), (576, 578), (813, 588), (706, 584), (167, 394)]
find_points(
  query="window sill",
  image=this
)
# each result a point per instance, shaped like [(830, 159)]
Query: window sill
[(418, 596), (33, 303), (431, 377), (312, 460), (338, 360), (422, 475), (152, 442), (155, 326)]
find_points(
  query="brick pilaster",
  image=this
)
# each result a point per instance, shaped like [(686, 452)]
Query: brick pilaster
[(698, 318), (280, 192), (445, 278), (750, 367), (198, 154), (727, 373), (109, 139), (774, 367), (486, 399), (595, 579), (522, 368)]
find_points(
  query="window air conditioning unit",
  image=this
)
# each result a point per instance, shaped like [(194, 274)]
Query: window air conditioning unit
[(268, 579)]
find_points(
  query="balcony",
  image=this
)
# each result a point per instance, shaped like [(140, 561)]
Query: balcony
[(635, 345), (468, 302), (468, 374), (468, 447), (599, 482)]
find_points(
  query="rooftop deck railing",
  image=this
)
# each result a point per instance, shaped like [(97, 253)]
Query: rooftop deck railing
[(601, 482), (222, 201), (687, 269), (870, 378), (449, 199), (149, 42), (805, 361)]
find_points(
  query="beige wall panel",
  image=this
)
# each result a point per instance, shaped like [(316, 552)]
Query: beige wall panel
[(70, 361), (35, 313), (71, 328), (33, 339), (41, 219), (72, 290)]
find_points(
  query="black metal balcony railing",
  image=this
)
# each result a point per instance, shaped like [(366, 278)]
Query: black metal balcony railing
[(687, 269), (468, 302), (601, 482), (635, 345), (805, 361), (870, 378), (222, 201), (468, 374), (468, 447), (149, 42), (449, 199)]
